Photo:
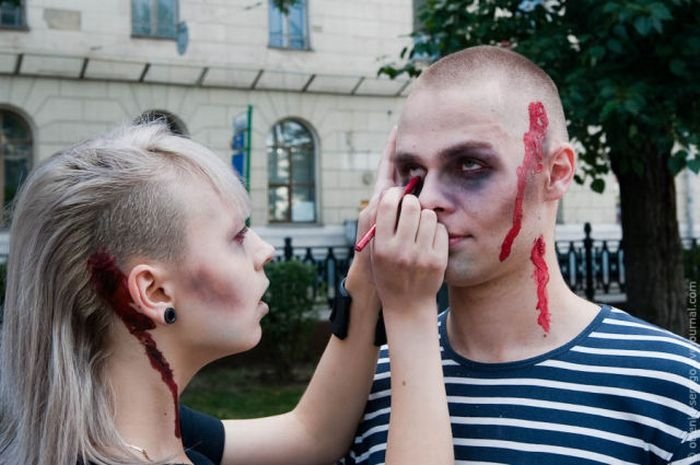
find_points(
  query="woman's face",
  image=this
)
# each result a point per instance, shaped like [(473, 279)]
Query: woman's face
[(220, 283)]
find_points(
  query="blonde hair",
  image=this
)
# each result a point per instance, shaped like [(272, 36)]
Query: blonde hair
[(115, 192)]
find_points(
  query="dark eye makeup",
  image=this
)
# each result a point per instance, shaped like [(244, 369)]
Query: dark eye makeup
[(240, 235)]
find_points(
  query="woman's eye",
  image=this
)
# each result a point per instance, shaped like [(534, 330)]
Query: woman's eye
[(240, 236)]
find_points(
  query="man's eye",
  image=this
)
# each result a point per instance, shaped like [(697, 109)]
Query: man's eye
[(470, 165), (413, 172), (407, 172)]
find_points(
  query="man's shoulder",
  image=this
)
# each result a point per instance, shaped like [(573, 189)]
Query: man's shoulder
[(621, 325), (622, 335)]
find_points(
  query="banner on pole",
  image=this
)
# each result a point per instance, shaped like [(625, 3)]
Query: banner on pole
[(240, 145)]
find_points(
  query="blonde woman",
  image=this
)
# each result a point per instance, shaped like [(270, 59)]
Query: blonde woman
[(131, 268)]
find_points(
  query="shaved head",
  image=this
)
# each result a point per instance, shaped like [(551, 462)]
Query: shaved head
[(509, 80)]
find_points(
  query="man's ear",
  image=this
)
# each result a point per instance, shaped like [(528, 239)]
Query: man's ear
[(561, 170), (149, 292)]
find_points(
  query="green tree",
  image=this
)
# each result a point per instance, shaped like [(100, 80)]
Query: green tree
[(627, 72), (284, 5), (287, 329)]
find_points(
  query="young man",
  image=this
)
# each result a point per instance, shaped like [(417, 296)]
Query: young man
[(533, 373)]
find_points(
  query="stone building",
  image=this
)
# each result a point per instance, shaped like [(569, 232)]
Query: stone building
[(299, 88)]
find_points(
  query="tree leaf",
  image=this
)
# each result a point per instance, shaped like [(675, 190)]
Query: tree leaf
[(610, 7), (694, 165), (620, 31), (633, 105), (597, 52), (598, 185), (615, 46), (678, 67), (660, 11), (676, 163), (608, 109), (643, 25)]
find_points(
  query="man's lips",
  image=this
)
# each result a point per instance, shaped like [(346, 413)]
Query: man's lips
[(455, 239)]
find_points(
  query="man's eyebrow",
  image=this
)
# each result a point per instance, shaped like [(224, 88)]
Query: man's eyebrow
[(475, 148), (479, 149), (405, 158)]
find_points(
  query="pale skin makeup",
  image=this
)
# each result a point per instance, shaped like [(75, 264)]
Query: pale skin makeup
[(468, 142), (217, 293)]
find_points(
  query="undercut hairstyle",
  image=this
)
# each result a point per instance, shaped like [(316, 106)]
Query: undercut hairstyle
[(116, 193), (510, 70)]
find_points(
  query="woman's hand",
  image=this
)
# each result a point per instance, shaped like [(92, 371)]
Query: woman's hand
[(360, 276), (409, 256)]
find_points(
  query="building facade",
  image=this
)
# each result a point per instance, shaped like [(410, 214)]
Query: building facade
[(319, 115), (297, 89)]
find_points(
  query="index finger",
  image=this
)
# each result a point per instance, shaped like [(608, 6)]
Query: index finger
[(386, 169)]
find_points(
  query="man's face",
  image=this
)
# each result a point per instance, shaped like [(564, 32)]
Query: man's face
[(468, 144)]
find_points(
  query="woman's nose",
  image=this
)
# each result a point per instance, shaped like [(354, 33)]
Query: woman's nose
[(264, 252)]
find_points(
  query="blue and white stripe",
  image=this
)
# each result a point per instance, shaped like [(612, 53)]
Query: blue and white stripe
[(622, 392)]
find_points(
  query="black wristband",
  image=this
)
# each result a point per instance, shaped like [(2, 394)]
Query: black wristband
[(340, 317), (340, 313)]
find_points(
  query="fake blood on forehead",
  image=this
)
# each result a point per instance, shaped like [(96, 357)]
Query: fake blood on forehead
[(532, 163), (541, 277), (111, 285)]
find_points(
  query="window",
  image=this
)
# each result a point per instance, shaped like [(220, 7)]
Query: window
[(173, 122), (289, 30), (291, 173), (12, 14), (15, 155), (154, 18)]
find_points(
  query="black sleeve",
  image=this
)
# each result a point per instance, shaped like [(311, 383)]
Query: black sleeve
[(202, 433)]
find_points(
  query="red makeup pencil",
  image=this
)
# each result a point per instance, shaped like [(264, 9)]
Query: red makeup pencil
[(364, 240)]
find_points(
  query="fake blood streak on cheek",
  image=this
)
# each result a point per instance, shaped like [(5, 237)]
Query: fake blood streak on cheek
[(111, 285), (541, 276), (533, 161)]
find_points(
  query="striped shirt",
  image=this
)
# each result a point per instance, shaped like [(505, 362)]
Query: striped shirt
[(622, 392)]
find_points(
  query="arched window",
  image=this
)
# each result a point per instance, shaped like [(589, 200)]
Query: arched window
[(291, 173), (174, 123), (15, 155)]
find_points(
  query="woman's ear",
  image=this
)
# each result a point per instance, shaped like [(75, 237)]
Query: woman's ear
[(148, 292), (562, 167)]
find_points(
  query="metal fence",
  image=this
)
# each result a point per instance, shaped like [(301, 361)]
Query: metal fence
[(593, 268)]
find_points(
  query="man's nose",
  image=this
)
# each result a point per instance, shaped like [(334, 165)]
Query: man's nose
[(432, 194)]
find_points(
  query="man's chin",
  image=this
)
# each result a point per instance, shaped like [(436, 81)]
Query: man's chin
[(464, 273)]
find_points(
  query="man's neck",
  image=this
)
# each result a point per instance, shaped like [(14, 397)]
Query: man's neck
[(498, 322)]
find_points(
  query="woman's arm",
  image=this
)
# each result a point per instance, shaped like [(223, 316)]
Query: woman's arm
[(321, 427), (409, 261)]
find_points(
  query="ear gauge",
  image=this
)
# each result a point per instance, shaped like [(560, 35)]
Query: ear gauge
[(169, 315)]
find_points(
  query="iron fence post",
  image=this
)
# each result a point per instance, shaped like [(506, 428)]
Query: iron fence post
[(288, 251), (588, 254)]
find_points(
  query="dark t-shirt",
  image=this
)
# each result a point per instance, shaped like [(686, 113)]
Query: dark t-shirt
[(203, 437)]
